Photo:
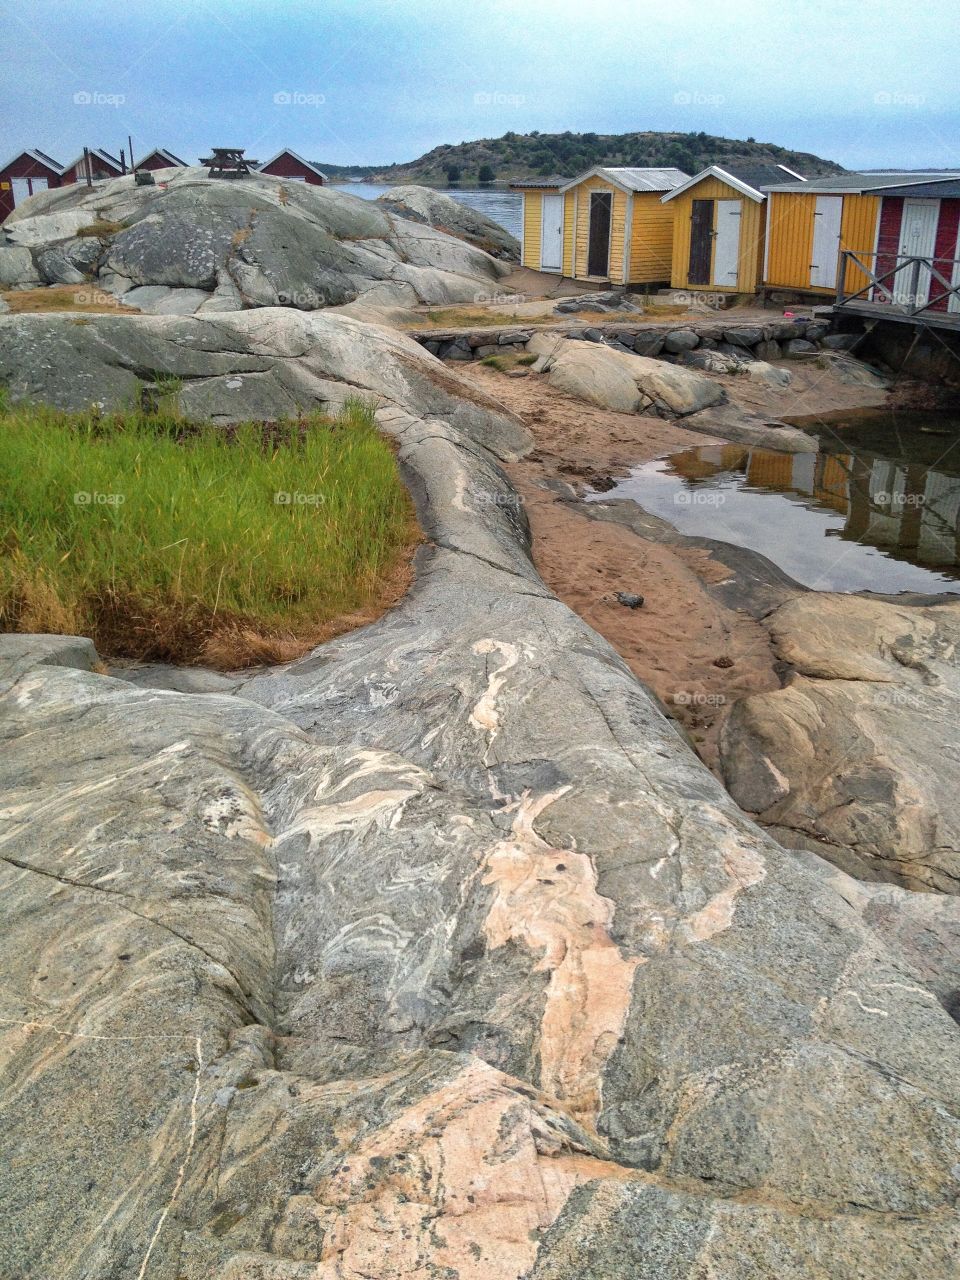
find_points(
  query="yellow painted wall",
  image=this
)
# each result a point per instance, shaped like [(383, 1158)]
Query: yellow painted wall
[(569, 212), (791, 237), (750, 257), (858, 232), (651, 239), (618, 220), (532, 222)]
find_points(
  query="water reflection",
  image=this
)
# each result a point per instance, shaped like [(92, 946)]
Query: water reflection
[(897, 519)]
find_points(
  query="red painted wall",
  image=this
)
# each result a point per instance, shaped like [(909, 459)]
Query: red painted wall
[(100, 170), (23, 167), (154, 162), (945, 248), (287, 166), (888, 239)]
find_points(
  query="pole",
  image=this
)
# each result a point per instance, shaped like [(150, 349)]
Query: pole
[(86, 166), (130, 152)]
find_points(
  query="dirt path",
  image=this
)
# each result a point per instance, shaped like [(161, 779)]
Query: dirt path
[(696, 654)]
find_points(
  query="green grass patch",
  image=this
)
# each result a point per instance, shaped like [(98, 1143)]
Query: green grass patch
[(169, 540)]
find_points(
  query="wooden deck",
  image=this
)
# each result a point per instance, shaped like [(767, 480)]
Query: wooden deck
[(902, 289)]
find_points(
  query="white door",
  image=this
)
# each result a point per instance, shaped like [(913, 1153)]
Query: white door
[(38, 184), (21, 189), (726, 245), (918, 236), (551, 234), (826, 242)]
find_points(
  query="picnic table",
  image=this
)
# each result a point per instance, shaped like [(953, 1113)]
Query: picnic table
[(228, 162)]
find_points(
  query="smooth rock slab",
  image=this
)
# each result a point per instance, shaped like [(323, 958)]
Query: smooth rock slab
[(857, 755), (437, 952)]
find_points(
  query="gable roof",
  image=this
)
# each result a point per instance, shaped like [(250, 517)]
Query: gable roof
[(750, 180), (631, 179), (41, 157), (286, 151), (858, 183), (96, 153), (164, 155)]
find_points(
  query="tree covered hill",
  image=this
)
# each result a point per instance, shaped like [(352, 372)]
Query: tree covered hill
[(527, 155)]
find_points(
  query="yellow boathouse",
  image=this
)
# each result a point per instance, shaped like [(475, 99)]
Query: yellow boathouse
[(607, 225)]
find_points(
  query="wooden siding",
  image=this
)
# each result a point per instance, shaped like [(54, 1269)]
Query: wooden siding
[(618, 221), (651, 239), (858, 233), (750, 250), (791, 237), (569, 213), (532, 224)]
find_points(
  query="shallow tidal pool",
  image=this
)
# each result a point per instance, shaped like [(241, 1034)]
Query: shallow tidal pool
[(876, 509)]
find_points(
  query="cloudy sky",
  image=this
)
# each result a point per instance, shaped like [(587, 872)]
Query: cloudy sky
[(869, 83)]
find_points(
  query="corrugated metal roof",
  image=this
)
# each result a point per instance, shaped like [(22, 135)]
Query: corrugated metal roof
[(761, 174), (646, 179), (553, 180), (857, 182)]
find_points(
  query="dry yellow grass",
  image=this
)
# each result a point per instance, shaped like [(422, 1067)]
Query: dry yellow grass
[(84, 298)]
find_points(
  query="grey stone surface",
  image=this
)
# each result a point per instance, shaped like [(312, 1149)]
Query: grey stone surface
[(423, 204), (795, 348), (856, 755), (680, 340), (436, 953), (55, 268), (252, 242)]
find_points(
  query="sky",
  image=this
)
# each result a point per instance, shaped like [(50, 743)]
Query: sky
[(868, 83)]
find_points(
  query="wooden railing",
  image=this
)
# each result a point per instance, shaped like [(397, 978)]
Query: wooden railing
[(911, 285)]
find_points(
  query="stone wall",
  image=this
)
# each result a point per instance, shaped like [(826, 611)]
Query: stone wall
[(775, 340)]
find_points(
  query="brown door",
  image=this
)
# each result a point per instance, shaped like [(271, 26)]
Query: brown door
[(701, 239), (598, 245)]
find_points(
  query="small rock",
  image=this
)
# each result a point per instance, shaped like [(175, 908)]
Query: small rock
[(517, 373), (592, 335), (840, 341), (797, 347), (628, 600)]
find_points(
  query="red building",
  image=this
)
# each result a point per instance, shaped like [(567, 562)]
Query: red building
[(921, 220), (25, 174), (287, 164), (94, 163), (161, 158)]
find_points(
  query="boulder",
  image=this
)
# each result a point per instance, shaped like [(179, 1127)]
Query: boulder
[(437, 952), (255, 241), (817, 330), (767, 350), (55, 268), (648, 342), (627, 383), (856, 756), (797, 348), (17, 268), (680, 340), (767, 375), (841, 341), (423, 204), (745, 336)]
